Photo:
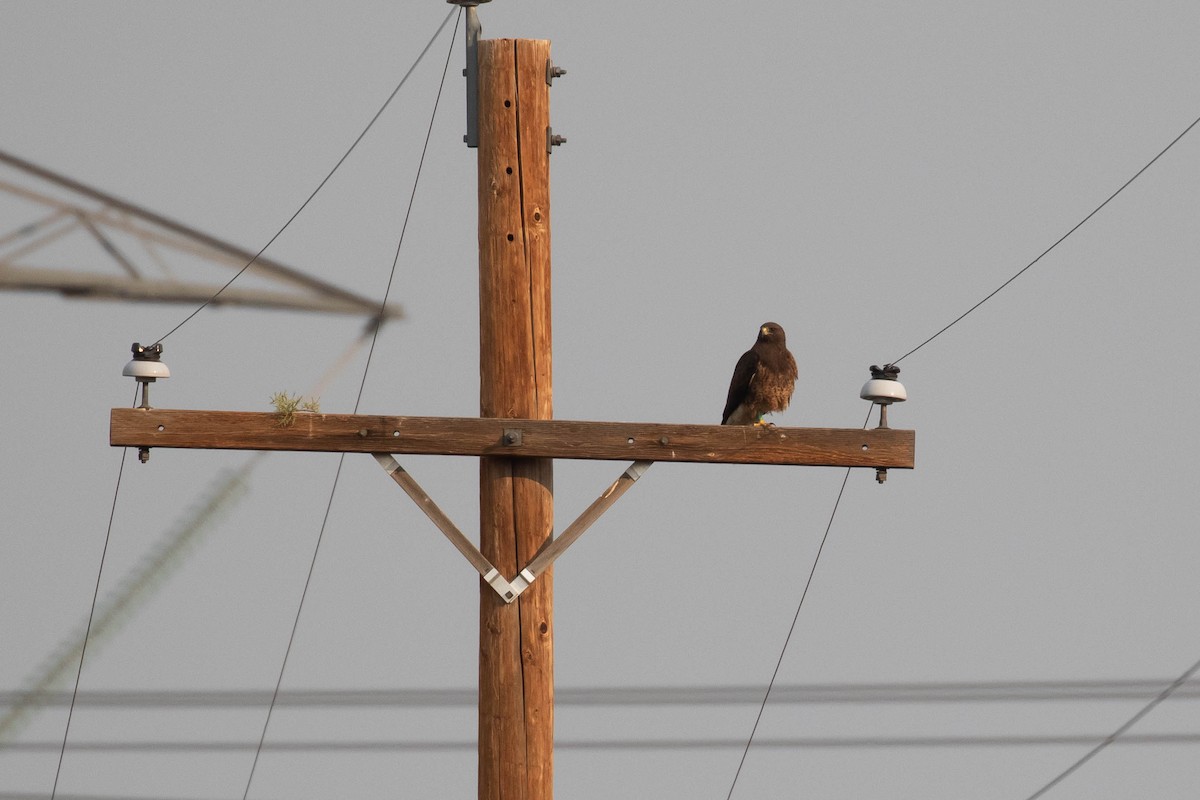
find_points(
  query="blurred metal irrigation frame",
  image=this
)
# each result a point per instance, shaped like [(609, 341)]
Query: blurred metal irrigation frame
[(121, 228), (63, 207)]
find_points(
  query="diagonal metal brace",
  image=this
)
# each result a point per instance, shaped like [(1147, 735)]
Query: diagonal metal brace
[(457, 538), (556, 547), (510, 590)]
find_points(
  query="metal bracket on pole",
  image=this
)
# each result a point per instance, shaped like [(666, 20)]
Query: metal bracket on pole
[(503, 588), (457, 538), (522, 581), (555, 548), (511, 590), (553, 71), (471, 71)]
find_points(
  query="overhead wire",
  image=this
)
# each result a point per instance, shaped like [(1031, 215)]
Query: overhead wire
[(25, 699), (1112, 737), (324, 180), (112, 513), (40, 796), (121, 468), (357, 402), (600, 696), (135, 586), (875, 742), (1170, 689), (749, 742), (1059, 241), (1166, 693), (945, 328), (791, 629), (16, 706)]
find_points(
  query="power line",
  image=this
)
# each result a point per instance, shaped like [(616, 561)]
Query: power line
[(792, 627), (41, 796), (1060, 240), (91, 614), (366, 368), (321, 185), (1174, 686), (138, 583), (603, 696), (408, 211), (111, 610), (685, 743), (121, 469), (1112, 737)]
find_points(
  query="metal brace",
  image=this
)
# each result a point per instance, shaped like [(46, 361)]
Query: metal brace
[(510, 590)]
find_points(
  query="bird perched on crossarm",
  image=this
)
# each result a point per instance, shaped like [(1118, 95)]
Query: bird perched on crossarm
[(763, 379)]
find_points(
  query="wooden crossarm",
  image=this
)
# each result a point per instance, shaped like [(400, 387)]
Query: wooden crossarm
[(518, 438)]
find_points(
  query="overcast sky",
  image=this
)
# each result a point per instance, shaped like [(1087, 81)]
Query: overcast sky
[(862, 173)]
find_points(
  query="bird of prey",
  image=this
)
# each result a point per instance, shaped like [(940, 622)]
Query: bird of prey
[(763, 379)]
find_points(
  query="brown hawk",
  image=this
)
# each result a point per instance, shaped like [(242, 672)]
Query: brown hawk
[(763, 379)]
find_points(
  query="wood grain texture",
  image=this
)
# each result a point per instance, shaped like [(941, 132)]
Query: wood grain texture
[(534, 478), (516, 661), (472, 436)]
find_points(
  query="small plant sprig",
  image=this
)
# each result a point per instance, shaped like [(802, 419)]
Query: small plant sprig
[(286, 406)]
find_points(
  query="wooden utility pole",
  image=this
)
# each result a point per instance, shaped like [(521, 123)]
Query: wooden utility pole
[(514, 437), (516, 496)]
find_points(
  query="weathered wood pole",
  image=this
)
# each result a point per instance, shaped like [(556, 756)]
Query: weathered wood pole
[(516, 653)]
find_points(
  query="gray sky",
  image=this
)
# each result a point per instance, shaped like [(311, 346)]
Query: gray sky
[(861, 173)]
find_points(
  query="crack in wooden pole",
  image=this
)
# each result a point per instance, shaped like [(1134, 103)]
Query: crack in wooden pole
[(516, 656)]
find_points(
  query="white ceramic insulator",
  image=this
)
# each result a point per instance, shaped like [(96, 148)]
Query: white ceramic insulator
[(879, 390), (146, 369)]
